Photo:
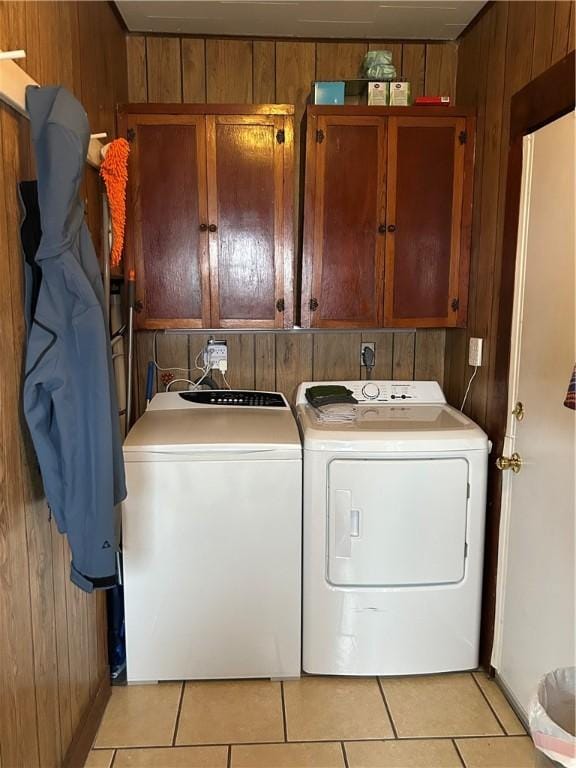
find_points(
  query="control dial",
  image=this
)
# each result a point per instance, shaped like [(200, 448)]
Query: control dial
[(370, 391)]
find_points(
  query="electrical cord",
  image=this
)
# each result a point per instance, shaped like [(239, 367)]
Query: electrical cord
[(468, 387), (172, 367), (225, 379)]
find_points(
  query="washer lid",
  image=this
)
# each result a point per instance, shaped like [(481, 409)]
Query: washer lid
[(218, 430), (390, 428)]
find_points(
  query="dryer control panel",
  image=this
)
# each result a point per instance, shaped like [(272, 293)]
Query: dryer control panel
[(365, 392)]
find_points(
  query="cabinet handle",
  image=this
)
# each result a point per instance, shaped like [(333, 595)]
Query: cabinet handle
[(212, 227), (203, 227), (382, 229), (391, 227)]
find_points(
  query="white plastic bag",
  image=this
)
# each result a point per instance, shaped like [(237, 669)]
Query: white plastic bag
[(553, 715)]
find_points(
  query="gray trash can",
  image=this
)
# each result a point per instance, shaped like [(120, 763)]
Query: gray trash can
[(553, 719)]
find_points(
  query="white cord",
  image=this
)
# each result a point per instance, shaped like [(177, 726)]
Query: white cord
[(172, 367), (468, 387), (167, 389), (195, 384), (225, 379)]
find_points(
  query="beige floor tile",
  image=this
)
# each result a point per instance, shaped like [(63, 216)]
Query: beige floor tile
[(504, 711), (335, 708), (99, 758), (439, 705), (328, 755), (140, 716), (419, 753), (173, 757), (231, 713), (507, 752)]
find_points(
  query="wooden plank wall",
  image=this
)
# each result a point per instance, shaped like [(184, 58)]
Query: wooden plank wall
[(173, 69), (52, 635), (509, 45)]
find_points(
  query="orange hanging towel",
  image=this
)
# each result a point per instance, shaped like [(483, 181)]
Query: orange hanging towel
[(114, 172)]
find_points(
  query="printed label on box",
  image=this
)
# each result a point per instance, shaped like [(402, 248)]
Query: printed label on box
[(400, 94), (378, 94)]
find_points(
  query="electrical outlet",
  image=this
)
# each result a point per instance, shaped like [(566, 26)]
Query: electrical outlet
[(371, 345), (216, 355), (475, 352)]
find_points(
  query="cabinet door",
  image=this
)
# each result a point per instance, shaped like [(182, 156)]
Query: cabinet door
[(167, 239), (344, 252), (426, 256), (250, 205)]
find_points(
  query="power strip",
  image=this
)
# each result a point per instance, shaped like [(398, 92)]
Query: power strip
[(216, 355)]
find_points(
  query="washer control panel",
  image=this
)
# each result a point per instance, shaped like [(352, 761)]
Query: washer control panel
[(232, 397), (424, 392)]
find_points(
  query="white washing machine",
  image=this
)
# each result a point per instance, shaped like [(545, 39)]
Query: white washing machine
[(394, 510), (212, 538)]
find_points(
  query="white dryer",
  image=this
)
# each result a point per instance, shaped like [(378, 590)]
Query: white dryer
[(394, 511), (212, 538)]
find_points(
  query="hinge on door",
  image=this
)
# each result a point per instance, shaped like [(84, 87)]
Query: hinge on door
[(455, 305), (138, 305), (280, 306), (462, 137), (468, 490), (319, 136), (465, 550), (280, 137), (313, 305), (130, 135)]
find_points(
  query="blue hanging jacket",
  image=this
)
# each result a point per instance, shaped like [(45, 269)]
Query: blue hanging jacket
[(69, 393)]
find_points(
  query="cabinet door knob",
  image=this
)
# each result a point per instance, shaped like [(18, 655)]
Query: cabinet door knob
[(382, 229), (391, 227), (212, 227), (203, 227)]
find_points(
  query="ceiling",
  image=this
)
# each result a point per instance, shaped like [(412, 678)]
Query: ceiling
[(344, 19)]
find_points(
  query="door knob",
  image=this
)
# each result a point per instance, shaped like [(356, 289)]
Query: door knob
[(382, 229), (513, 462), (203, 227), (518, 411), (212, 227), (391, 227)]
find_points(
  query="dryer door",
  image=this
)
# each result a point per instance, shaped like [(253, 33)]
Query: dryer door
[(397, 522)]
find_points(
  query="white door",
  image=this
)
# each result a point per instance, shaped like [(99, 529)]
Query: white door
[(397, 522), (535, 609)]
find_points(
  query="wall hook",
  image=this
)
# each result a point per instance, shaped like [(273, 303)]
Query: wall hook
[(20, 54)]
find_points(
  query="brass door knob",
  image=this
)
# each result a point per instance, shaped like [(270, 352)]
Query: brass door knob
[(513, 462)]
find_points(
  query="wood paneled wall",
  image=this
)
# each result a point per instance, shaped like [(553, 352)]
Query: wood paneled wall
[(509, 45), (173, 69), (52, 635)]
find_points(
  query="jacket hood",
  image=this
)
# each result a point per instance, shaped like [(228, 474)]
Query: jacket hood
[(60, 133)]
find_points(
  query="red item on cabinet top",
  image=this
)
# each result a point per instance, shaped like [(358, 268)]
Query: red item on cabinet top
[(432, 101)]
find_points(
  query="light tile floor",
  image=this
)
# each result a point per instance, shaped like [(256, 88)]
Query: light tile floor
[(438, 721)]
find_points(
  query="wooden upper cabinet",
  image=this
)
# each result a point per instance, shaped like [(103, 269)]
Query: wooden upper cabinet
[(345, 275), (209, 215), (250, 220), (166, 209), (388, 198), (424, 252)]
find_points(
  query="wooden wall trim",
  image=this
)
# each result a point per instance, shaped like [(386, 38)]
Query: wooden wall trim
[(87, 729), (544, 99)]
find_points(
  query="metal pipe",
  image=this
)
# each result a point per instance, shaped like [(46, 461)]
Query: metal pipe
[(131, 297)]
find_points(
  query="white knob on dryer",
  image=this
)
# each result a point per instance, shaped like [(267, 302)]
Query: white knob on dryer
[(371, 391)]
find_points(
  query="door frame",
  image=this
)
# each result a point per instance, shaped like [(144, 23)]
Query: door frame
[(543, 100)]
